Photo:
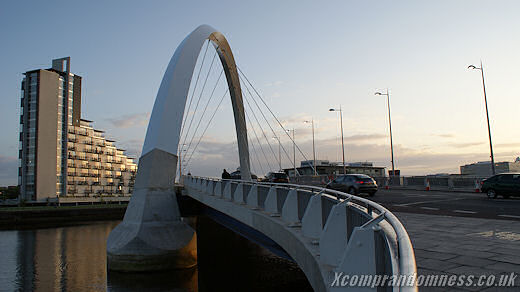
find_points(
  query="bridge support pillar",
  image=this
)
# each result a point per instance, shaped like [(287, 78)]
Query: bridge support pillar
[(153, 235)]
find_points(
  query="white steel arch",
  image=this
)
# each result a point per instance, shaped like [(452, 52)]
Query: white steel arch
[(164, 128)]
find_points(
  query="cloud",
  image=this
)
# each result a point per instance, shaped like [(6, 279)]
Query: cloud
[(465, 144), (274, 83), (133, 147), (444, 135), (8, 170), (130, 120), (508, 145)]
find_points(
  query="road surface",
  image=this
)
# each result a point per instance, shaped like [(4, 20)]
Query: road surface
[(475, 205)]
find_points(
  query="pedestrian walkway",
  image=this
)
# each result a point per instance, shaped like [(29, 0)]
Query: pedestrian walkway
[(464, 246)]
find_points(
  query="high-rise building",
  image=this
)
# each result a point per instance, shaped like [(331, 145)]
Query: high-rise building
[(62, 155)]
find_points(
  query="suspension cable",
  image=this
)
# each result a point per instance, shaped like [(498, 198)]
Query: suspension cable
[(198, 100), (193, 93), (207, 126), (204, 111), (260, 126), (259, 144), (279, 123), (258, 140), (272, 130)]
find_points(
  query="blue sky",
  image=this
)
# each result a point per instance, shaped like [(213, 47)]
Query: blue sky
[(304, 57)]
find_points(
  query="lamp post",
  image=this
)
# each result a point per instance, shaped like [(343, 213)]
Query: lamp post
[(180, 160), (279, 152), (342, 142), (487, 115), (294, 150), (390, 126), (313, 148)]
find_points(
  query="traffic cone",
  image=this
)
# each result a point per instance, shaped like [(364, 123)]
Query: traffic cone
[(477, 186), (427, 185)]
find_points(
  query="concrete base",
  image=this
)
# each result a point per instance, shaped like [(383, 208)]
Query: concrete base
[(152, 235)]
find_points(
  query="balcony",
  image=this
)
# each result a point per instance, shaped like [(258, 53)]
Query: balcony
[(88, 142)]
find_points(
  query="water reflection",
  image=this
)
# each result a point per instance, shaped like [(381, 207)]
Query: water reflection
[(74, 259), (186, 281), (60, 259)]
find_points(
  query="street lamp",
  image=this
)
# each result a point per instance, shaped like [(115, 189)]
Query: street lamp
[(181, 155), (390, 124), (487, 114), (294, 150), (313, 148), (180, 158), (279, 152), (342, 142)]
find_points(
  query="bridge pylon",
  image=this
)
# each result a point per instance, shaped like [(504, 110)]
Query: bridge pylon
[(152, 235)]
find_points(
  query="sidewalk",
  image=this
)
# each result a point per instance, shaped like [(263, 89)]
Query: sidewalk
[(464, 246)]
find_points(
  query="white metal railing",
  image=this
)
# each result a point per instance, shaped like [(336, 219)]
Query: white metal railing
[(403, 263)]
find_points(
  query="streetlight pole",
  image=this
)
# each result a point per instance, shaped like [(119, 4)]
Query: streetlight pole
[(180, 159), (390, 126), (487, 115), (294, 150), (313, 148), (342, 140)]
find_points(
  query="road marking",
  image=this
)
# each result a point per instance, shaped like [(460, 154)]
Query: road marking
[(430, 208), (464, 212), (425, 202), (509, 216)]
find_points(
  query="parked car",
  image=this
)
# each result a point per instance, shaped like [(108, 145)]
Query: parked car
[(505, 184), (236, 175), (277, 177), (354, 184)]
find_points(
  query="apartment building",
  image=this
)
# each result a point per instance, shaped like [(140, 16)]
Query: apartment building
[(62, 155)]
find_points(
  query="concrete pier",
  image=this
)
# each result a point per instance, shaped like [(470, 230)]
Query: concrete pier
[(153, 236)]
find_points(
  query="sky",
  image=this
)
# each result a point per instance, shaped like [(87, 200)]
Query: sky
[(303, 57)]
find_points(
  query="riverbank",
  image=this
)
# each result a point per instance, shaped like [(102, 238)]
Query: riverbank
[(54, 216)]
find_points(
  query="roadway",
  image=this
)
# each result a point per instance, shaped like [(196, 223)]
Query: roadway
[(448, 203)]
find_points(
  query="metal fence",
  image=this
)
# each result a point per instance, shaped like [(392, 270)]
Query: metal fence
[(452, 182), (349, 233)]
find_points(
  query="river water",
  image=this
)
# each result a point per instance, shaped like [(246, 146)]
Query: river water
[(73, 258)]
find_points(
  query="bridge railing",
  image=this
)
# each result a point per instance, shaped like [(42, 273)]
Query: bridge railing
[(353, 235), (443, 183)]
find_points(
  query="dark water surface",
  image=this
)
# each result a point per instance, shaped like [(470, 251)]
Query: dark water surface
[(74, 259)]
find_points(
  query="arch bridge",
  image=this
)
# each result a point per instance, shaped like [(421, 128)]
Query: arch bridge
[(329, 234)]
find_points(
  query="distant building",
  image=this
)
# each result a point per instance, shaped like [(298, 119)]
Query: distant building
[(61, 155), (483, 168), (324, 167)]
